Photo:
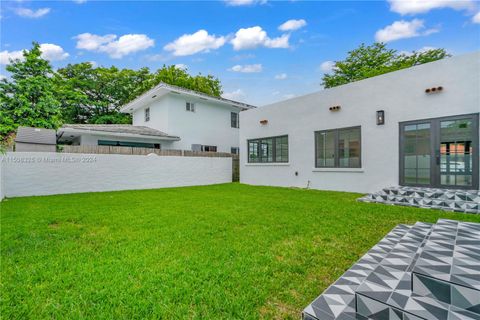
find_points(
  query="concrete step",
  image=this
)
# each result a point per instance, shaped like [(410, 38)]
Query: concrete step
[(448, 268), (338, 300), (467, 201)]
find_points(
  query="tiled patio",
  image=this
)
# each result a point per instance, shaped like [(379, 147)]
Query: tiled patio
[(424, 271)]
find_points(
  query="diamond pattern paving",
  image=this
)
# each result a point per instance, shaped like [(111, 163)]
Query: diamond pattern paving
[(422, 271), (466, 201)]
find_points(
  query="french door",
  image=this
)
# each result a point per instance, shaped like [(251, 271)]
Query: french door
[(440, 153)]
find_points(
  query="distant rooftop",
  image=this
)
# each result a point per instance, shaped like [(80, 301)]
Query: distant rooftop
[(36, 135), (117, 128), (163, 88)]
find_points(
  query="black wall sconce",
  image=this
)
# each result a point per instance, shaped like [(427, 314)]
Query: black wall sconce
[(380, 117)]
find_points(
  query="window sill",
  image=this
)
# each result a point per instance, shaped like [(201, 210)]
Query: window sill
[(268, 164), (354, 170)]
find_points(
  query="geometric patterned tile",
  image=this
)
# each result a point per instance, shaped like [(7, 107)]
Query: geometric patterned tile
[(416, 272), (338, 300), (466, 201)]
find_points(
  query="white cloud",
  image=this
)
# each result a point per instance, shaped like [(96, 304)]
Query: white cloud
[(93, 42), (327, 66), (51, 52), (239, 3), (289, 96), (281, 76), (403, 29), (181, 66), (5, 56), (29, 13), (199, 41), (291, 25), (79, 1), (250, 38), (476, 18), (234, 95), (115, 48), (248, 68), (422, 6)]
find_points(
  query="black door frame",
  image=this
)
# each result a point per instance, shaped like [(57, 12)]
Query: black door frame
[(435, 151)]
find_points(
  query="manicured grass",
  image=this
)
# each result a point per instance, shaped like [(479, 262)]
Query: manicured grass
[(218, 252)]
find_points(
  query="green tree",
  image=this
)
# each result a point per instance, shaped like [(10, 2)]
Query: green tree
[(28, 97), (95, 95), (376, 59)]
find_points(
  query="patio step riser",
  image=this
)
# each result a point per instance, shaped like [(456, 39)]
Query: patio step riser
[(448, 200)]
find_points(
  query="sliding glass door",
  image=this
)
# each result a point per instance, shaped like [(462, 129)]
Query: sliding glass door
[(440, 152)]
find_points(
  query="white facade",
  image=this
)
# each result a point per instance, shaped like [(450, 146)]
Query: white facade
[(46, 173), (400, 94), (209, 124)]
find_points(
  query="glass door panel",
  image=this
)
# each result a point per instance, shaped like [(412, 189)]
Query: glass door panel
[(456, 140), (417, 154)]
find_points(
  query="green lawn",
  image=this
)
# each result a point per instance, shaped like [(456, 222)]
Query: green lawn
[(217, 252)]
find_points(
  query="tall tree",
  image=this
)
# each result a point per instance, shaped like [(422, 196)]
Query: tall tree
[(376, 59), (28, 97)]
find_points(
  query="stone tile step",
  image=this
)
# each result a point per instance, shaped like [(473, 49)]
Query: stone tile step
[(337, 302), (453, 204), (447, 194), (448, 268), (465, 207)]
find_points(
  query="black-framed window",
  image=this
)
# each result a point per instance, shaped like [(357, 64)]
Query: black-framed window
[(338, 148), (147, 114), (128, 144), (209, 148), (268, 150), (190, 106), (235, 120), (235, 150)]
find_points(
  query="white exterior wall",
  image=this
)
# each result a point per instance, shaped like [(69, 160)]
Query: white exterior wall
[(208, 125), (401, 94), (42, 173)]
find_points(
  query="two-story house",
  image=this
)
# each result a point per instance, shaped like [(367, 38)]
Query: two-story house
[(168, 117)]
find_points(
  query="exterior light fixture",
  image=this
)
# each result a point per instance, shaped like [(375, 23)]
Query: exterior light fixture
[(263, 122), (334, 108), (380, 117)]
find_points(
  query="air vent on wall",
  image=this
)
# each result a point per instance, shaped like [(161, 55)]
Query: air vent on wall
[(434, 89)]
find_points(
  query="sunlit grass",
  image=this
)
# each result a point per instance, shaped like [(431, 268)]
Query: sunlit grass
[(217, 252)]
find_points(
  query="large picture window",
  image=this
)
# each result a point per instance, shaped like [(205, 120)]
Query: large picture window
[(338, 148), (268, 150)]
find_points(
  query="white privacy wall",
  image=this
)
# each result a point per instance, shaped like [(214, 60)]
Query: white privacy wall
[(401, 94), (42, 173)]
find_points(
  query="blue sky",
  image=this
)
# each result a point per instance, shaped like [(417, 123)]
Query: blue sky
[(262, 51)]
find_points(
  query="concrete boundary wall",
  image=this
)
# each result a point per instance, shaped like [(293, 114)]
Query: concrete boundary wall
[(45, 173)]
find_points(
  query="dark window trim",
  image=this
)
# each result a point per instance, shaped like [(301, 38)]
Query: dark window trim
[(147, 114), (237, 122), (435, 138), (337, 148), (274, 149)]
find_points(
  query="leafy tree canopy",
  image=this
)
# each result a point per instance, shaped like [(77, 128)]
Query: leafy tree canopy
[(36, 95), (29, 97), (376, 59)]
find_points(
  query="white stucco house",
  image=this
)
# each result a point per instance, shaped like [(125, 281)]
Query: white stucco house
[(168, 117), (414, 127)]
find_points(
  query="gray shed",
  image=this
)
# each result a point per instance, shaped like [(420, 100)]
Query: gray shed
[(30, 139)]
